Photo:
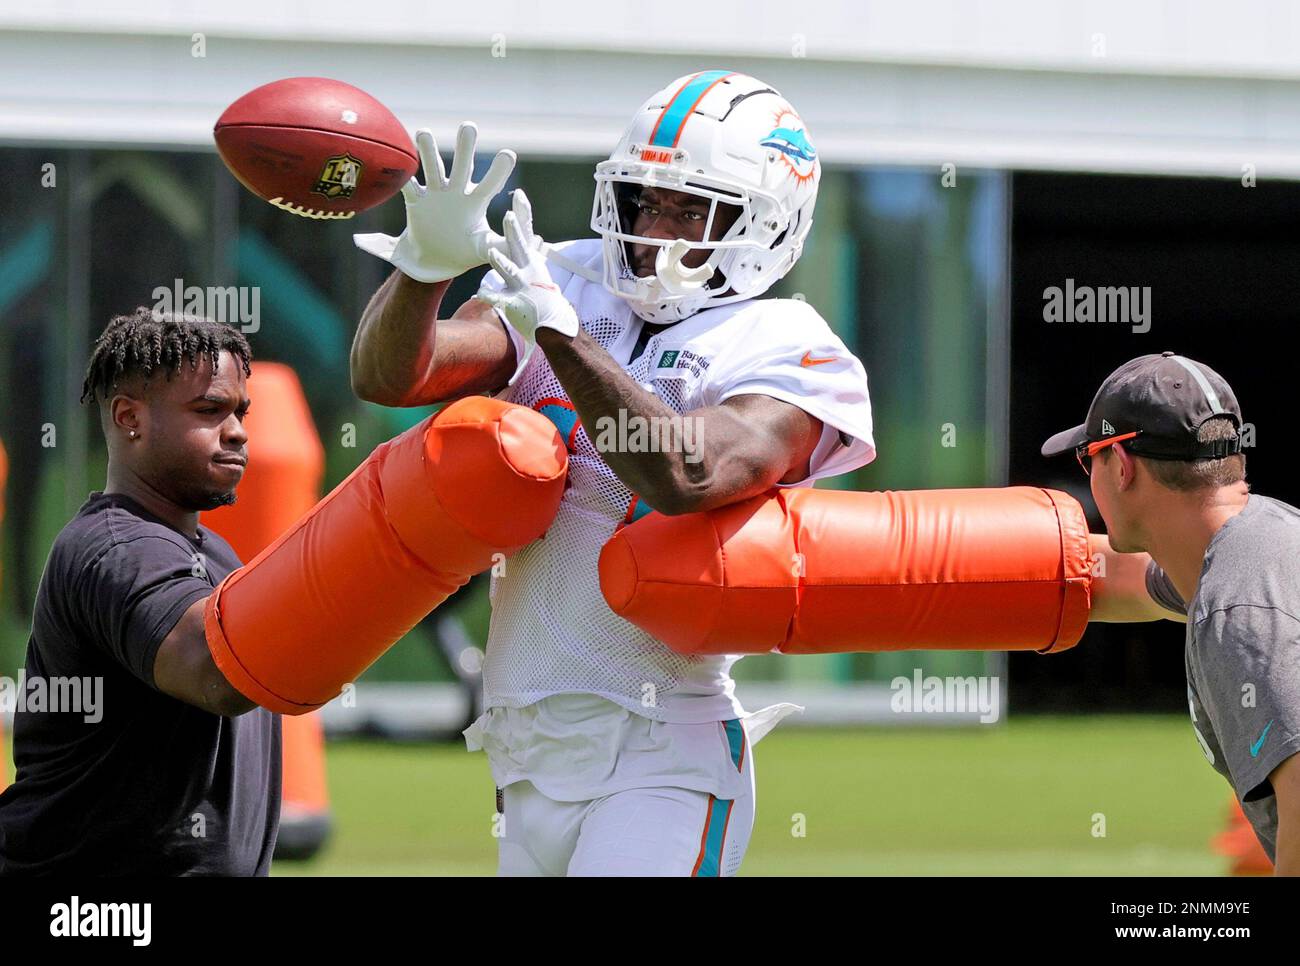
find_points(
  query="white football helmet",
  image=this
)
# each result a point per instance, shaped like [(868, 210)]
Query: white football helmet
[(727, 138)]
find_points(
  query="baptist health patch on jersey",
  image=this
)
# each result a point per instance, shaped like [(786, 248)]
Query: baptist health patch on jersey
[(551, 630), (674, 360)]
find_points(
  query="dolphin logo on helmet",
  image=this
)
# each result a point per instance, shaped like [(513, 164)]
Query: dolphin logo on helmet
[(791, 142)]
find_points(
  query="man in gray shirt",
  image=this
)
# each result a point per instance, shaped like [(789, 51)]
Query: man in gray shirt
[(1162, 448)]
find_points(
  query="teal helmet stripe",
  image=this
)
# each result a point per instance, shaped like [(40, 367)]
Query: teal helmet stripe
[(668, 129)]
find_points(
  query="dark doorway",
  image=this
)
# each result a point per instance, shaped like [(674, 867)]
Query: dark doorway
[(1222, 262)]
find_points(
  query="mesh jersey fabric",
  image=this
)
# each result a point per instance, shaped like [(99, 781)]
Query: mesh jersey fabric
[(551, 631)]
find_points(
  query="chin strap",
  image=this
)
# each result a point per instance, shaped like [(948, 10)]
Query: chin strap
[(569, 265)]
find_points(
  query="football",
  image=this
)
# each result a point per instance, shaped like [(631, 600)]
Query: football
[(315, 147)]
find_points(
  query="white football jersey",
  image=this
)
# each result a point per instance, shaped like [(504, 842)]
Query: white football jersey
[(551, 630)]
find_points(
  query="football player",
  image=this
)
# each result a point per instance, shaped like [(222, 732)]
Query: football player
[(677, 389)]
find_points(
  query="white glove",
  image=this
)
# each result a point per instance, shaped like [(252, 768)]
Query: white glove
[(531, 300), (446, 232)]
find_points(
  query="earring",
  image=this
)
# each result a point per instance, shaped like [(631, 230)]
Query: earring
[(132, 434)]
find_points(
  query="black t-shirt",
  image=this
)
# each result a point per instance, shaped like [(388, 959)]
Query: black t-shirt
[(113, 776)]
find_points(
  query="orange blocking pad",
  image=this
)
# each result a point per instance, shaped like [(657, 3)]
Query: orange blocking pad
[(806, 571), (409, 526)]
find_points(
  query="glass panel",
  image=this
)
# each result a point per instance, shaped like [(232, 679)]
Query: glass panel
[(908, 272), (911, 274)]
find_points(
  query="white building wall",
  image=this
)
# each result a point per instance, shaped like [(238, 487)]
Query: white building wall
[(1109, 85)]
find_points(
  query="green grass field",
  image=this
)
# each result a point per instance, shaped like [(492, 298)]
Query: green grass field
[(1011, 800)]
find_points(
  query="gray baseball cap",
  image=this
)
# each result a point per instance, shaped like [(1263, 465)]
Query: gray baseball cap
[(1160, 402)]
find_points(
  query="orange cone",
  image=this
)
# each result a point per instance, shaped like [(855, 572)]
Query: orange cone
[(286, 464), (305, 820), (1240, 844)]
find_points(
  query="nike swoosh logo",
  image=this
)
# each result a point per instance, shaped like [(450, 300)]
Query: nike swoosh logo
[(808, 360), (546, 285), (1254, 749)]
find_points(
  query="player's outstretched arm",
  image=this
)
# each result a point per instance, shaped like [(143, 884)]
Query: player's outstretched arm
[(404, 356), (1119, 586), (184, 669), (729, 452)]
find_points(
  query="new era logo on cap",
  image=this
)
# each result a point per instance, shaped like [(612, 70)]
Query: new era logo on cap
[(1107, 428)]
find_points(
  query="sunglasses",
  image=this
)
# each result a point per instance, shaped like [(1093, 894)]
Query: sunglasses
[(1086, 451)]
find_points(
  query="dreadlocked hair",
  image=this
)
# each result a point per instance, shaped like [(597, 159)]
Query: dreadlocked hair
[(148, 342)]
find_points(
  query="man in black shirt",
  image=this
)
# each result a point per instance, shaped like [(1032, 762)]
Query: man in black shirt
[(172, 771)]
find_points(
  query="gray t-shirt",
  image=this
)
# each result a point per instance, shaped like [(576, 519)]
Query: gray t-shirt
[(1243, 652)]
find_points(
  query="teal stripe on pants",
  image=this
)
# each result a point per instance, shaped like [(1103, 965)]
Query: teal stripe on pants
[(735, 740), (711, 866)]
